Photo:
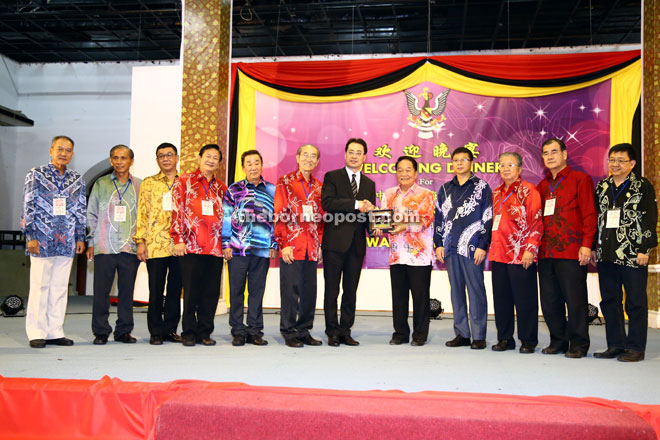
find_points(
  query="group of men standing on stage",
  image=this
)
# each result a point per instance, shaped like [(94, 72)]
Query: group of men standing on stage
[(184, 226)]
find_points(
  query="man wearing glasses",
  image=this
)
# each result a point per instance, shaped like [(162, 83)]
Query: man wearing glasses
[(462, 233), (627, 217), (569, 227), (347, 193), (156, 248)]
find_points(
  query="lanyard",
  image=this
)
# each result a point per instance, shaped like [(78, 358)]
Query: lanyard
[(206, 190), (502, 201), (121, 194), (553, 188), (58, 180), (618, 193), (169, 187), (307, 193)]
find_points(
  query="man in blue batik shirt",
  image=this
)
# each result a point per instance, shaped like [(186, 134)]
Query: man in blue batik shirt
[(53, 221), (248, 242), (463, 221)]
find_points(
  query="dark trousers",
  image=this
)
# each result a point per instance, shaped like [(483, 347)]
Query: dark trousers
[(516, 287), (201, 289), (417, 281), (162, 319), (298, 297), (105, 267), (252, 269), (611, 277), (563, 286), (344, 266)]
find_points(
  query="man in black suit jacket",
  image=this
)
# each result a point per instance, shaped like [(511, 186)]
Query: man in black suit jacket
[(348, 195)]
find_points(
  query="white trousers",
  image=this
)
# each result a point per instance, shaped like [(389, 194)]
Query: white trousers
[(46, 307)]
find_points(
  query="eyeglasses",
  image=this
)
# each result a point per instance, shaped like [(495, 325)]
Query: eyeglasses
[(311, 156), (508, 165), (551, 153), (617, 161), (461, 160), (165, 156)]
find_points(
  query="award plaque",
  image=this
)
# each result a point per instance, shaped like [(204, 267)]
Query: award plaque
[(381, 219)]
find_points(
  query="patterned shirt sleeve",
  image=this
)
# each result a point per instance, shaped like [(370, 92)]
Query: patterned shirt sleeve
[(486, 218)]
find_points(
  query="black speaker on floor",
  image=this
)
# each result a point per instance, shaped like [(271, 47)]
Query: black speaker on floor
[(436, 309), (593, 315), (12, 306)]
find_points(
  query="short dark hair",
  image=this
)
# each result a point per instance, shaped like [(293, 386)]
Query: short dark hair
[(210, 147), (166, 145), (61, 136), (408, 158), (250, 153), (356, 141), (624, 148), (562, 145), (463, 150), (119, 147)]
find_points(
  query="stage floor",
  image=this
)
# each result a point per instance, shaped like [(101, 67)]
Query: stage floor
[(374, 365)]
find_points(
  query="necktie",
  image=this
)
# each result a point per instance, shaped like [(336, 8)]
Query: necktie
[(354, 186)]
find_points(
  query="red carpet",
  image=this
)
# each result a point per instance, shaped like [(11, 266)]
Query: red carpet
[(110, 408)]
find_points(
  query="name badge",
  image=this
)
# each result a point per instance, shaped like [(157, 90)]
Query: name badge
[(207, 207), (613, 218), (308, 213), (59, 206), (496, 222), (549, 208), (120, 213), (167, 201)]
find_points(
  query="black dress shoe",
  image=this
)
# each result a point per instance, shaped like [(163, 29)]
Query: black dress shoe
[(631, 356), (397, 341), (126, 338), (172, 337), (575, 354), (238, 341), (553, 349), (458, 341), (37, 343), (188, 341), (610, 353), (478, 344), (100, 339), (527, 348), (156, 340), (64, 342), (308, 340), (348, 340), (333, 341), (293, 342), (207, 341), (417, 342), (503, 345), (256, 340)]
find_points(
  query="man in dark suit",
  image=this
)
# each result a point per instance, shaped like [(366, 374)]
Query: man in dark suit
[(348, 195)]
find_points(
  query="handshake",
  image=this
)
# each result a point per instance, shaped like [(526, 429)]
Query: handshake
[(365, 206)]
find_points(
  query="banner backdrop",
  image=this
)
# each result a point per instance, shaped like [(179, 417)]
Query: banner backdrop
[(427, 122)]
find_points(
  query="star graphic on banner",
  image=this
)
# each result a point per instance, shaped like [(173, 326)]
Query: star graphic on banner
[(540, 113), (582, 107), (451, 135), (543, 132), (597, 110), (572, 136), (293, 130), (481, 107)]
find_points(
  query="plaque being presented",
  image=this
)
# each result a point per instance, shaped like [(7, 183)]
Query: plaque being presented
[(381, 219)]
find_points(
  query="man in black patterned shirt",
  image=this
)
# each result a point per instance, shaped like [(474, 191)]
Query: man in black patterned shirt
[(627, 217)]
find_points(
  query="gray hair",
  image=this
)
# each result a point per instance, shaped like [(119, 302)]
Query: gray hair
[(318, 152), (515, 155), (120, 147)]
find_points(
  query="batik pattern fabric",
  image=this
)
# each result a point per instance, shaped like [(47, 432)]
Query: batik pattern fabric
[(463, 217), (247, 225), (573, 223), (291, 228), (57, 234), (107, 235), (153, 222), (521, 224), (202, 234), (636, 201), (413, 246)]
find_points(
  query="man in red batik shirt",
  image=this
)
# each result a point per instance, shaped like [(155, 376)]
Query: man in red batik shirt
[(299, 232), (569, 225)]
